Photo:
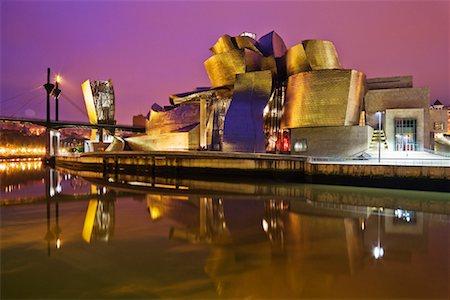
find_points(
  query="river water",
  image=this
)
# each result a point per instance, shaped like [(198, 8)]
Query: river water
[(67, 235)]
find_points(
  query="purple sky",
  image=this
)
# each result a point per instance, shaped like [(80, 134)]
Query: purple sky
[(152, 49)]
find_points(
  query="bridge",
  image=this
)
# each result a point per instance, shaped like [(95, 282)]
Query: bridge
[(53, 139), (105, 122), (72, 124)]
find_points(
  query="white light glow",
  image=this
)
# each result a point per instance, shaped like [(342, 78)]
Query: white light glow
[(378, 252), (265, 225)]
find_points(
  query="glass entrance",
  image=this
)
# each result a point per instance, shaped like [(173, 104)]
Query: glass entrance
[(405, 134)]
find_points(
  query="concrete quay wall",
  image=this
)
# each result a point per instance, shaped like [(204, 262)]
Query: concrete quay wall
[(374, 171), (185, 162), (243, 165)]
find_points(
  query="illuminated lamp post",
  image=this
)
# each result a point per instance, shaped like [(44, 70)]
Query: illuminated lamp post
[(379, 135), (56, 92), (48, 88)]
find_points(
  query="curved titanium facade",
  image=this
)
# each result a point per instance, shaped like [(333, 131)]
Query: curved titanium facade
[(323, 98), (174, 129), (245, 42), (272, 44), (243, 129), (118, 144), (269, 63), (222, 68), (174, 120), (223, 44), (321, 55), (89, 101), (296, 60), (304, 86)]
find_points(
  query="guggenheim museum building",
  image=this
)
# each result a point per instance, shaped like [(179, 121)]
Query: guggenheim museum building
[(267, 98)]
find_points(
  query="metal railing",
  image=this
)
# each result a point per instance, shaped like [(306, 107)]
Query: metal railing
[(440, 162)]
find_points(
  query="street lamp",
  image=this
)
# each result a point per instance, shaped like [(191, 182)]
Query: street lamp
[(48, 88), (56, 92), (379, 135)]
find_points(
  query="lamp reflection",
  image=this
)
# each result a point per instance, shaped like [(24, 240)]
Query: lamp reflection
[(52, 188), (378, 250)]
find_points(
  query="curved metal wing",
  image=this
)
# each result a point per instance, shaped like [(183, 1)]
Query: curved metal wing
[(243, 129), (323, 98), (222, 68), (321, 55)]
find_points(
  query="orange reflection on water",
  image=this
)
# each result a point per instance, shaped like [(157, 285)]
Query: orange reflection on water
[(20, 165), (152, 245)]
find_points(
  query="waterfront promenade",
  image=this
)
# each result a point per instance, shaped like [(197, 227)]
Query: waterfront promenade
[(407, 173)]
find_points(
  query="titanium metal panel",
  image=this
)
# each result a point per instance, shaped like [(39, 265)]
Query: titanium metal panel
[(176, 141), (245, 42), (323, 98), (89, 101), (173, 120), (272, 44), (281, 68), (252, 60), (296, 60), (269, 63), (321, 55), (256, 62), (222, 68), (223, 44), (243, 128), (118, 144)]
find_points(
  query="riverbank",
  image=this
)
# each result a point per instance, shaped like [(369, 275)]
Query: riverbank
[(246, 166)]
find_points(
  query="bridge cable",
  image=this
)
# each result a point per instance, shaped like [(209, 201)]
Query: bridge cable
[(23, 105), (21, 94), (74, 104)]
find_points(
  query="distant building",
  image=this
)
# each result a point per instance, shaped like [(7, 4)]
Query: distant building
[(448, 121), (139, 121), (439, 125)]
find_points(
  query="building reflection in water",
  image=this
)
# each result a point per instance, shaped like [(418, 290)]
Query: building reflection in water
[(323, 240), (304, 246), (273, 223), (100, 216), (211, 227)]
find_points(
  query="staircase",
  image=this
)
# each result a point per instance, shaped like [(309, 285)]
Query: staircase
[(377, 137)]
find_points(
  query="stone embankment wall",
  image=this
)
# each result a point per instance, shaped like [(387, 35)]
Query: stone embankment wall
[(373, 171), (186, 164)]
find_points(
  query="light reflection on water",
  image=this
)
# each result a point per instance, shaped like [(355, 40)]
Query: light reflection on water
[(65, 237)]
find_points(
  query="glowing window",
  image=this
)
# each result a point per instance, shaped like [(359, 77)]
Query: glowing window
[(300, 145)]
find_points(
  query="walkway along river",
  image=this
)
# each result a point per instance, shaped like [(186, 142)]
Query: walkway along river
[(249, 166)]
